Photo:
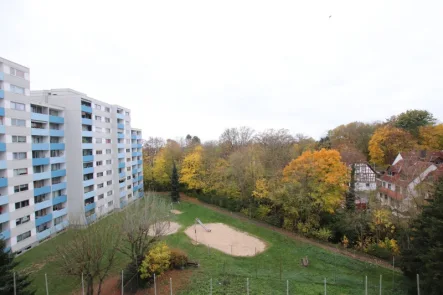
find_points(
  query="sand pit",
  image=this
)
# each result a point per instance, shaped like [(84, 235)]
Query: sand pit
[(226, 239), (177, 212), (165, 228)]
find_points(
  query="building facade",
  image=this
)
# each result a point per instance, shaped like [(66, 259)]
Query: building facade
[(47, 179)]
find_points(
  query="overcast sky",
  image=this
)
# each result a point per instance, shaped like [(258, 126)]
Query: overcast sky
[(199, 67)]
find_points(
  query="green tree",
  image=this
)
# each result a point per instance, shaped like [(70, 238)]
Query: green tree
[(412, 120), (350, 196), (175, 195), (424, 254), (7, 265)]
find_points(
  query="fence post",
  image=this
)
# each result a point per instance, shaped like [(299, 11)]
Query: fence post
[(15, 286), (46, 282), (287, 287), (83, 286), (210, 287), (247, 286), (325, 286), (155, 286), (170, 284), (366, 285), (418, 284), (122, 284), (380, 283)]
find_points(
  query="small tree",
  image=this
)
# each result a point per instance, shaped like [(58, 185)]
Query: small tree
[(424, 254), (7, 265), (91, 253), (350, 196), (175, 195)]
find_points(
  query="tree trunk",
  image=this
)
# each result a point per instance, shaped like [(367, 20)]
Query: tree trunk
[(89, 285)]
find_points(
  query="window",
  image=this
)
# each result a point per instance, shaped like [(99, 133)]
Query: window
[(367, 184), (18, 122), (108, 130), (109, 193), (98, 118), (58, 220), (55, 140), (108, 172), (56, 153), (100, 174), (88, 165), (99, 152), (21, 204), (109, 182), (15, 72), (56, 180), (108, 151), (127, 113), (110, 203), (17, 106), (23, 236), (98, 140), (19, 139), (108, 140), (389, 186), (39, 183), (20, 188), (98, 163), (128, 159), (107, 109), (54, 126), (98, 129), (107, 120), (53, 112), (128, 168), (22, 220), (18, 90), (100, 185), (39, 169), (128, 178), (20, 171), (101, 196), (108, 162), (128, 150), (98, 107), (127, 122), (128, 187)]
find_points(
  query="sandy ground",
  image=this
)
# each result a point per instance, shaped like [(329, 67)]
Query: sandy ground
[(168, 228), (176, 211), (226, 239)]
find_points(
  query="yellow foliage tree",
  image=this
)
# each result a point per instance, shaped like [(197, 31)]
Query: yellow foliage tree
[(156, 261), (431, 137), (192, 173), (160, 169), (387, 142), (320, 176)]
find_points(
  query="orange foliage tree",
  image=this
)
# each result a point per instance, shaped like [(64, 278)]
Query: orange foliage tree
[(431, 137)]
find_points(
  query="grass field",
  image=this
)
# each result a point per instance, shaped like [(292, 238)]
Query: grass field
[(267, 272)]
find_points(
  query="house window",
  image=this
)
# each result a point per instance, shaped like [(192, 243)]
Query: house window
[(108, 130), (367, 184), (128, 168), (18, 90), (18, 139), (100, 174), (53, 112), (108, 151), (98, 107), (21, 204), (109, 193), (18, 122), (108, 162), (98, 163), (109, 182), (108, 172), (20, 171), (110, 203), (107, 109), (101, 196), (98, 118), (17, 106), (22, 220), (389, 186), (107, 120), (58, 220), (99, 152), (98, 129), (17, 73), (98, 140), (23, 236), (108, 140), (20, 188), (100, 185), (128, 187)]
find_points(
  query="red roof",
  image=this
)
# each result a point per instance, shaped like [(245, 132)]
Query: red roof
[(391, 194)]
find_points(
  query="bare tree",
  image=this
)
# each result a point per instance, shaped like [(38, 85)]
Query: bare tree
[(91, 252), (233, 139)]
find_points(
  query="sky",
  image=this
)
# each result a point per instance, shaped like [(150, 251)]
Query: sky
[(199, 67)]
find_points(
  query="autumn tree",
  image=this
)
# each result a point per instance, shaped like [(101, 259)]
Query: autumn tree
[(431, 137), (387, 142), (412, 120), (352, 136), (233, 139), (303, 143), (192, 172), (175, 184), (163, 162)]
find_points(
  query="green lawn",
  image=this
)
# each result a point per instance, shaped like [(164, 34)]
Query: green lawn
[(267, 272)]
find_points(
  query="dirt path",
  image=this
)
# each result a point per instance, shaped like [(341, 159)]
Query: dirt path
[(355, 255)]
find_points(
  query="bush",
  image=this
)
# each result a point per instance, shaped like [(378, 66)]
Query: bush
[(178, 259), (156, 261), (323, 234)]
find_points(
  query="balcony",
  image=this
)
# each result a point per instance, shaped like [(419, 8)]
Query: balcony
[(86, 109), (86, 121), (58, 213), (43, 219), (40, 146), (57, 146), (89, 158), (121, 165), (40, 117), (122, 175), (122, 194), (58, 173), (2, 129), (59, 200), (120, 116), (88, 182), (44, 234), (120, 135), (133, 163), (87, 146), (41, 175), (6, 234), (140, 162), (40, 161), (58, 186), (122, 184), (43, 205), (2, 147), (89, 207), (61, 226), (120, 126), (2, 76), (2, 164), (140, 178), (56, 160), (4, 200), (2, 111), (42, 190), (120, 145), (135, 188), (89, 195), (4, 217), (134, 170), (87, 133), (121, 155), (2, 93), (88, 170), (3, 182), (56, 119), (39, 131), (55, 132)]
